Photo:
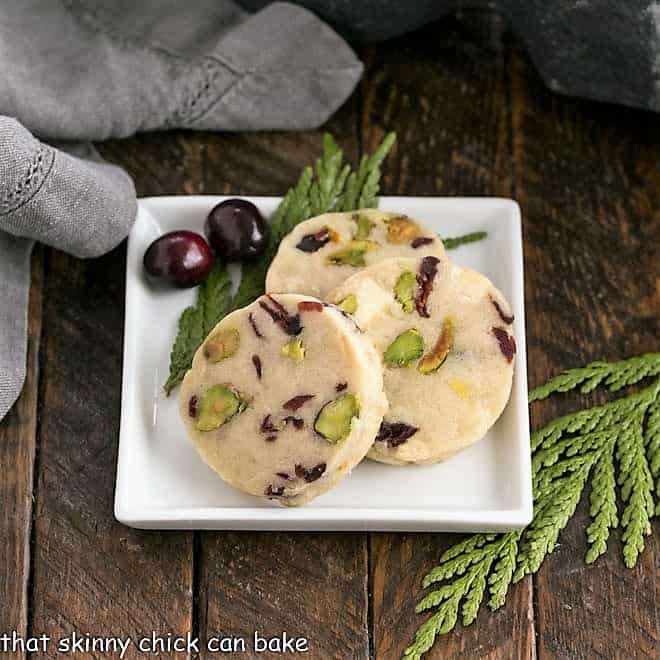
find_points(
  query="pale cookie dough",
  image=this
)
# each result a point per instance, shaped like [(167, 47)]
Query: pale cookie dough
[(444, 335), (320, 253), (284, 398)]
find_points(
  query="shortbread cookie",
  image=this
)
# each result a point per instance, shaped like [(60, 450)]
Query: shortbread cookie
[(284, 398)]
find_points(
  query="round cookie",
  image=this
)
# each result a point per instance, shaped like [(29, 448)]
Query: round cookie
[(444, 336), (322, 252), (284, 398)]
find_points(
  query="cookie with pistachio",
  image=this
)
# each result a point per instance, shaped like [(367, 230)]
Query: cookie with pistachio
[(322, 252), (445, 339), (284, 398)]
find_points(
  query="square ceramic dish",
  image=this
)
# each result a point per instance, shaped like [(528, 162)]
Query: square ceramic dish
[(162, 482)]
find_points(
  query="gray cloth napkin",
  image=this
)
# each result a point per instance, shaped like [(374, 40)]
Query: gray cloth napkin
[(73, 71)]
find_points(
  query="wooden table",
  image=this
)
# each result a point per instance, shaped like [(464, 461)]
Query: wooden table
[(472, 118)]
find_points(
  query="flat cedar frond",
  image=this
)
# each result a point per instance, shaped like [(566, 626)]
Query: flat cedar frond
[(615, 444), (615, 375)]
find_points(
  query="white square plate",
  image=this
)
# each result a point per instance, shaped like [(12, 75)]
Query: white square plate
[(162, 482)]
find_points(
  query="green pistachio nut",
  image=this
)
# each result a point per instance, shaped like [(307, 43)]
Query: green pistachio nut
[(222, 344), (335, 418), (406, 348), (217, 406), (294, 350), (404, 291), (349, 304), (402, 229), (433, 360), (364, 226), (352, 254)]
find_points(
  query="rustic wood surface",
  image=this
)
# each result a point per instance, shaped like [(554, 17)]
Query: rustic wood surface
[(472, 118)]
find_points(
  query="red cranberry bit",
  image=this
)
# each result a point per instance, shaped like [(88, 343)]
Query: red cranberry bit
[(253, 323), (427, 272), (395, 433), (274, 491), (340, 387), (297, 402), (290, 324), (420, 241), (310, 474), (284, 475), (507, 319), (314, 242), (271, 438), (193, 406), (256, 361), (506, 341), (267, 425), (298, 423), (310, 306)]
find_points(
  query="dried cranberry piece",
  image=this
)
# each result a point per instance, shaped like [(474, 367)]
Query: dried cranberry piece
[(193, 406), (290, 324), (267, 425), (314, 242), (310, 474), (297, 402), (427, 272), (506, 341), (256, 361), (296, 421), (507, 319), (395, 433), (420, 241), (284, 475), (277, 491), (271, 438), (310, 306), (340, 387), (253, 323)]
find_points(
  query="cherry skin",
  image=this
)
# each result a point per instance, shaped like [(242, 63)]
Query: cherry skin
[(179, 258), (236, 230)]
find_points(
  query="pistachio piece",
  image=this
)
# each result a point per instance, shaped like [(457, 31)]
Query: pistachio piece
[(364, 226), (349, 304), (404, 291), (408, 346), (352, 254), (294, 349), (335, 418), (401, 229), (222, 344), (217, 406), (438, 354)]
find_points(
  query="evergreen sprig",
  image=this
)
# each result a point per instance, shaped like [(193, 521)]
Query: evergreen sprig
[(454, 242), (615, 447), (329, 186)]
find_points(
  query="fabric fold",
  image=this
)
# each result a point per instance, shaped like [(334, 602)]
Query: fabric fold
[(77, 71)]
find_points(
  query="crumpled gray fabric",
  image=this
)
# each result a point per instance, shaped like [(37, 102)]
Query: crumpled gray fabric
[(73, 71)]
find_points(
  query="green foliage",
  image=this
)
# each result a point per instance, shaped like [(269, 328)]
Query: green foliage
[(615, 447), (457, 241), (213, 302), (329, 186)]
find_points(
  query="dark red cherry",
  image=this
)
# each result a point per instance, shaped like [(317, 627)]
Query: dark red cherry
[(180, 258), (236, 230)]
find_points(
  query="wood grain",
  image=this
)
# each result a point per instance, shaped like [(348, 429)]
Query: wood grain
[(587, 180), (310, 585), (445, 91), (18, 432), (92, 574)]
